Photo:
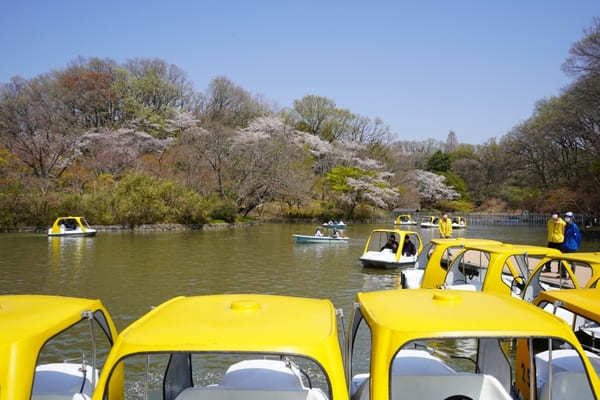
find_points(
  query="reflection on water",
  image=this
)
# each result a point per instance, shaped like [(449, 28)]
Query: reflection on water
[(131, 272)]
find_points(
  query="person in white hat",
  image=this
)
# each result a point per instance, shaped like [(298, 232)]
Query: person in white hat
[(572, 235)]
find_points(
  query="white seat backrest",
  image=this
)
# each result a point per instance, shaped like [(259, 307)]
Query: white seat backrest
[(475, 386), (567, 386), (262, 375)]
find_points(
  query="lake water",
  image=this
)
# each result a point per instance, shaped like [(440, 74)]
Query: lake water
[(131, 272)]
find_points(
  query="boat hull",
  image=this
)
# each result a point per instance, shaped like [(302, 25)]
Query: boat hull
[(428, 225), (318, 239), (405, 223), (75, 233), (384, 264), (383, 260)]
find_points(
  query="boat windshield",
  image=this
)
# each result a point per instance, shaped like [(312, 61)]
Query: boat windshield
[(74, 355), (470, 268), (380, 239), (488, 368), (586, 330), (167, 376)]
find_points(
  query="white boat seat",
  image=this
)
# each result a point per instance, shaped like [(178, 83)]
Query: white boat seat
[(419, 362), (262, 375), (407, 362), (61, 381), (568, 385), (474, 386), (203, 393)]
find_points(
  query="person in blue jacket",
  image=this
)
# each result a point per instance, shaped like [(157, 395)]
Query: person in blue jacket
[(572, 238), (572, 235)]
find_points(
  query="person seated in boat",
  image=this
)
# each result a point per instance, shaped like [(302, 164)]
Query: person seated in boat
[(318, 232), (390, 244), (335, 234), (408, 248)]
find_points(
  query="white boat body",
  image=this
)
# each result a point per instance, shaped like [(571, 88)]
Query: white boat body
[(319, 239), (386, 259), (405, 223), (458, 226), (429, 225), (72, 232), (257, 379), (424, 376), (63, 380)]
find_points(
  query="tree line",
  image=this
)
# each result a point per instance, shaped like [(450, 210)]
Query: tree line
[(134, 142)]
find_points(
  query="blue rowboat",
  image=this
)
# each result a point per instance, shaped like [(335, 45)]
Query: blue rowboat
[(319, 239)]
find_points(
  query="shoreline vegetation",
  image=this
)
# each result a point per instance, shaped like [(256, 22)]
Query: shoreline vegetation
[(133, 143), (212, 226), (209, 227)]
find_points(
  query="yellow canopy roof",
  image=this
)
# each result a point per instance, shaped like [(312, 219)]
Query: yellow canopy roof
[(233, 322), (590, 258), (585, 302), (398, 231), (238, 323), (509, 248), (434, 313), (27, 322), (462, 241), (39, 317)]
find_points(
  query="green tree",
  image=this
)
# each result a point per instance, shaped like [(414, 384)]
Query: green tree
[(312, 112), (439, 162)]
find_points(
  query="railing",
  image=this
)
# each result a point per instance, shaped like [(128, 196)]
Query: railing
[(504, 218)]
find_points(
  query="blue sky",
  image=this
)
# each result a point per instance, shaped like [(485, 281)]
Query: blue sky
[(425, 67)]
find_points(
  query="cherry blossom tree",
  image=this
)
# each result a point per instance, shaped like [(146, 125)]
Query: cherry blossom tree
[(35, 126), (356, 186), (114, 151), (431, 186)]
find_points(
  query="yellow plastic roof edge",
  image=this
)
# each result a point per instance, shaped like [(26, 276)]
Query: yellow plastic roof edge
[(512, 248), (571, 298), (144, 318), (138, 325), (464, 240), (392, 230), (592, 258), (528, 331)]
